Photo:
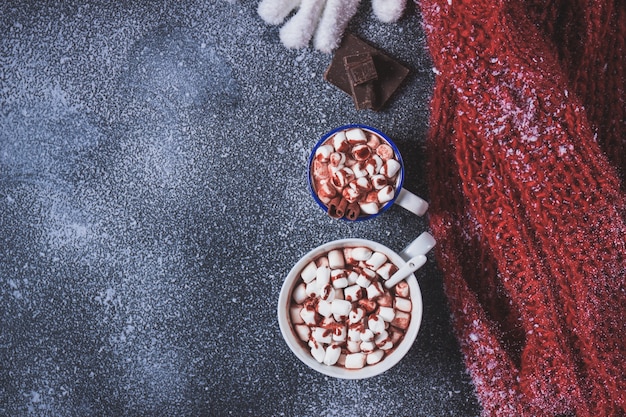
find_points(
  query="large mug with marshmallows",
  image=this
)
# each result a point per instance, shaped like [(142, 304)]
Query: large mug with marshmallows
[(352, 308), (356, 173)]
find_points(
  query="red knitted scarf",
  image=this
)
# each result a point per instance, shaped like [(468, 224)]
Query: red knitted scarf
[(526, 149)]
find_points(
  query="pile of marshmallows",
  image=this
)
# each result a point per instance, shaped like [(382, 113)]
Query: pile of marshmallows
[(353, 172), (342, 310)]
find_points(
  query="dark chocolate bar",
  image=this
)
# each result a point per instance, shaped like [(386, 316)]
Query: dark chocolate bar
[(390, 73)]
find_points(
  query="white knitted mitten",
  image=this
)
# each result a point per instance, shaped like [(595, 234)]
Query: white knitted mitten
[(324, 20)]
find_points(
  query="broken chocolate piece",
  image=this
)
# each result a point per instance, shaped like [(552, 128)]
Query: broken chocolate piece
[(361, 73), (390, 73)]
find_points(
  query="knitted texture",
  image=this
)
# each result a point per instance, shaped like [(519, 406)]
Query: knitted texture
[(526, 149)]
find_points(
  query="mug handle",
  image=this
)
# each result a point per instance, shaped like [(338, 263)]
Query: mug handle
[(415, 257), (420, 246), (411, 202)]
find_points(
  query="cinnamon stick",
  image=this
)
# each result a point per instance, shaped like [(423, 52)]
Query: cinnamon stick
[(337, 207)]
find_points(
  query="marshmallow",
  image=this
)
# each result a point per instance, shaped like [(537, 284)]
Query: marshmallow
[(326, 191), (386, 313), (359, 170), (366, 277), (332, 354), (347, 255), (352, 195), (342, 177), (373, 141), (341, 308), (299, 293), (352, 277), (381, 338), (373, 165), (323, 308), (322, 261), (353, 346), (322, 153), (390, 168), (340, 143), (353, 293), (335, 259), (312, 289), (356, 315), (308, 315), (361, 185), (376, 260), (367, 347), (374, 357), (321, 335), (402, 289), (361, 153), (339, 278), (368, 272), (303, 331), (387, 270), (340, 333), (401, 320), (355, 360), (294, 313), (309, 272), (376, 324), (386, 194), (375, 290), (319, 171), (403, 304), (363, 281), (378, 181), (322, 276), (354, 334), (385, 152), (356, 136), (337, 159), (317, 351), (367, 335), (369, 208), (361, 253), (327, 293)]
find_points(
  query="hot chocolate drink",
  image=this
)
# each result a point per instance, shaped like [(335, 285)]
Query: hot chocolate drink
[(355, 173), (342, 312)]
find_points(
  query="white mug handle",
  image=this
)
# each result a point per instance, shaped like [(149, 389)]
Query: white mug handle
[(415, 257), (411, 202), (420, 246)]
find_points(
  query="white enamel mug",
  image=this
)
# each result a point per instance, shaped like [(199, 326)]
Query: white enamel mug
[(418, 248)]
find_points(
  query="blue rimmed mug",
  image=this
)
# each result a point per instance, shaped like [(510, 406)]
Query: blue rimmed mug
[(348, 174)]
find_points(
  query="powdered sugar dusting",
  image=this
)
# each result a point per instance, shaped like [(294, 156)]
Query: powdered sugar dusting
[(153, 196)]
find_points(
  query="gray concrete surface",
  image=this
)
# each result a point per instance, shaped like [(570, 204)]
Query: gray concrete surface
[(153, 197)]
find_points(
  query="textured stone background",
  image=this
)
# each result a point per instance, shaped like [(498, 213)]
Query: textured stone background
[(153, 196)]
